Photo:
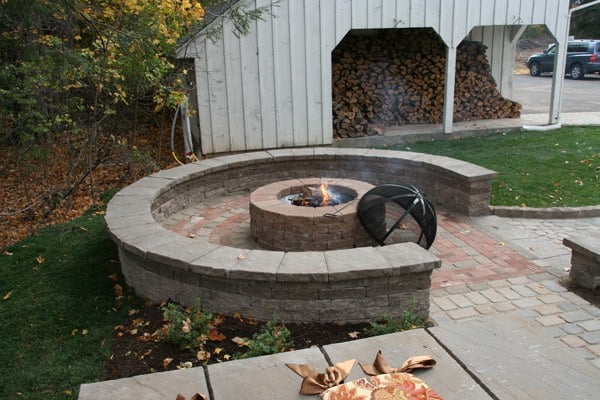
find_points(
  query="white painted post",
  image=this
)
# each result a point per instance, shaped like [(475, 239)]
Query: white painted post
[(448, 117), (558, 77)]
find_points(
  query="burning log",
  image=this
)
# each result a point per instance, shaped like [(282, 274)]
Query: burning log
[(398, 77)]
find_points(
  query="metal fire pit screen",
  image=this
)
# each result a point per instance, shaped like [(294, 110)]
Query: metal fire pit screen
[(394, 213)]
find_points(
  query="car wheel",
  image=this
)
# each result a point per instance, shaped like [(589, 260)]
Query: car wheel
[(534, 69), (576, 71)]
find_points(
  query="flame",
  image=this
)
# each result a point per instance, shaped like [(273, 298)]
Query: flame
[(325, 194)]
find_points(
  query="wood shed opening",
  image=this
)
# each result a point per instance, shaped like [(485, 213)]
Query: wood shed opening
[(383, 78)]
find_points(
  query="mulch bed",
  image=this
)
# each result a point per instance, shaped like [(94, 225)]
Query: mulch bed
[(138, 350)]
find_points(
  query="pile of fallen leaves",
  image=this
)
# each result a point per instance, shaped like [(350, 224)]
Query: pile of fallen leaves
[(33, 183), (140, 345)]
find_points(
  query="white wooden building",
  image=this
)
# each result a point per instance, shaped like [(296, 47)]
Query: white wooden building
[(272, 87)]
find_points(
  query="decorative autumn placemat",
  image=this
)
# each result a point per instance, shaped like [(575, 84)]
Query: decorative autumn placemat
[(396, 386)]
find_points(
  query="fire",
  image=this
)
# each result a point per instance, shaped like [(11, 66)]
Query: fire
[(325, 194)]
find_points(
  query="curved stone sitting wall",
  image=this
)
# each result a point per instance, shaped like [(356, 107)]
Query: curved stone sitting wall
[(357, 284)]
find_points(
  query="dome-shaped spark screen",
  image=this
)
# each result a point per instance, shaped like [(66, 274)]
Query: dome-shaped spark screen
[(395, 213)]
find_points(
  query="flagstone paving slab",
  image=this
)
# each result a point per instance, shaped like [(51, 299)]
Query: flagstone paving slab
[(447, 378), (264, 377), (515, 359), (158, 386)]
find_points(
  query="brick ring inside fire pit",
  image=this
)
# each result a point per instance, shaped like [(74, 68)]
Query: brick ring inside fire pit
[(277, 224)]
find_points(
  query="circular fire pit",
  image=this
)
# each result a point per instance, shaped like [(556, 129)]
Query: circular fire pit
[(353, 285), (288, 215)]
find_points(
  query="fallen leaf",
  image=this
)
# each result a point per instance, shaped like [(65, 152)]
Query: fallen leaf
[(133, 311), (84, 332), (238, 316), (40, 259), (185, 326), (532, 248), (7, 253), (74, 332), (118, 291), (114, 277), (226, 357), (567, 269), (133, 332), (353, 335), (241, 257), (218, 320), (7, 295), (241, 342), (191, 235), (215, 336), (202, 355), (67, 393), (166, 362), (501, 243), (187, 364), (218, 350)]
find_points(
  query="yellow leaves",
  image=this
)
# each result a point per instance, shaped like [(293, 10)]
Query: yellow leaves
[(108, 12), (40, 259), (7, 296), (166, 362)]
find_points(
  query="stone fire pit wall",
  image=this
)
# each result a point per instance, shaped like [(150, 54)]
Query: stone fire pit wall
[(357, 284)]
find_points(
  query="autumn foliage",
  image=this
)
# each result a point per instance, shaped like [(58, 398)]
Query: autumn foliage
[(85, 91)]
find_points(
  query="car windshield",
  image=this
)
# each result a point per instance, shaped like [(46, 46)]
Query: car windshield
[(551, 50)]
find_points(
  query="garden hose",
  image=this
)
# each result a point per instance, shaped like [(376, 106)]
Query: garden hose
[(187, 136)]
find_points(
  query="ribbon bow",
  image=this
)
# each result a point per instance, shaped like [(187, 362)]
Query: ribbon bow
[(380, 366), (315, 383), (197, 396)]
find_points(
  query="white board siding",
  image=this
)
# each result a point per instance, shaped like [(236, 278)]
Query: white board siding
[(266, 81), (313, 81), (283, 80), (272, 87)]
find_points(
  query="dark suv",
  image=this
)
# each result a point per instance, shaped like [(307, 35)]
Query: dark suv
[(583, 57)]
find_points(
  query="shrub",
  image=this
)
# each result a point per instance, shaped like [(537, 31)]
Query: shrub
[(386, 324), (187, 327), (272, 339)]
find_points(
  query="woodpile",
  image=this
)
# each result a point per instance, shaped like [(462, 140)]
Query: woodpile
[(396, 77)]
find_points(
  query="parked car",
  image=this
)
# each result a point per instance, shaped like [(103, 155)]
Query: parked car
[(583, 57)]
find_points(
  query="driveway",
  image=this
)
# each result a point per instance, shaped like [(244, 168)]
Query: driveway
[(578, 95)]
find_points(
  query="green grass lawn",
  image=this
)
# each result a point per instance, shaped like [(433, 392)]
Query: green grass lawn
[(535, 169), (57, 309)]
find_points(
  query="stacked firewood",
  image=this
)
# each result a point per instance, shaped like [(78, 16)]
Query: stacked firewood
[(396, 77)]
